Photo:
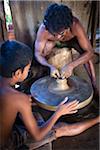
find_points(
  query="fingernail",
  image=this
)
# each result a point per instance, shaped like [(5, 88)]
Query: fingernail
[(66, 98)]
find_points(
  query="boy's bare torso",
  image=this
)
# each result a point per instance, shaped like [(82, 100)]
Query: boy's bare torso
[(8, 109)]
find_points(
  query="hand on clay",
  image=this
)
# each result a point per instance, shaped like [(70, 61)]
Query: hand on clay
[(66, 71), (54, 72)]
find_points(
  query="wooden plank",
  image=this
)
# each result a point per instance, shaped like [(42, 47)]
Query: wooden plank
[(80, 9), (3, 30), (26, 17)]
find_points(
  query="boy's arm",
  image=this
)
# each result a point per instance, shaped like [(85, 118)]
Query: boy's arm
[(38, 133)]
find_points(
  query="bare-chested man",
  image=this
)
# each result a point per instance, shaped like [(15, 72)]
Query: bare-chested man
[(60, 25), (15, 63)]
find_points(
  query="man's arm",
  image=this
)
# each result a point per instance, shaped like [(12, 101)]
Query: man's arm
[(39, 46), (24, 108), (84, 42), (86, 46), (91, 72), (42, 44)]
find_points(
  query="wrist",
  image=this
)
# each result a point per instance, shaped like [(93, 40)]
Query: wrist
[(58, 113), (50, 66), (93, 83), (71, 66)]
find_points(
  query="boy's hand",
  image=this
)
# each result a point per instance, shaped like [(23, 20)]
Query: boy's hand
[(31, 99), (67, 108)]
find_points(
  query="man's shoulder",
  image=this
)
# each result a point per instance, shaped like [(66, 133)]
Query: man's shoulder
[(76, 27), (42, 28), (76, 22), (42, 32)]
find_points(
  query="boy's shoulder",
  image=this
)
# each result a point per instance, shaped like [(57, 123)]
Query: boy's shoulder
[(19, 96), (13, 96), (21, 101)]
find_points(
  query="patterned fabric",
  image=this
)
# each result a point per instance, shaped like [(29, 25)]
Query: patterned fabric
[(20, 137)]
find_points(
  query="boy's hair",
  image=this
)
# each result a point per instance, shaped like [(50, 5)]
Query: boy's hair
[(57, 17), (14, 55)]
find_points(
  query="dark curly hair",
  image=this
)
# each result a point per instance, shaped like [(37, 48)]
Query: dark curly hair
[(14, 55), (57, 17)]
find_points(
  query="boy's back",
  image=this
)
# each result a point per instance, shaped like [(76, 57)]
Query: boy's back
[(9, 107)]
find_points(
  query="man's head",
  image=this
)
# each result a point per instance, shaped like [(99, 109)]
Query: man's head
[(57, 18), (16, 58)]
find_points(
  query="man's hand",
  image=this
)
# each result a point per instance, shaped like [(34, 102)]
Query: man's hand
[(67, 108), (66, 71), (54, 72)]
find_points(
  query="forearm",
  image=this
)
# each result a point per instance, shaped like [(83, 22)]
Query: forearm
[(91, 71), (81, 60), (45, 128), (38, 132), (42, 60)]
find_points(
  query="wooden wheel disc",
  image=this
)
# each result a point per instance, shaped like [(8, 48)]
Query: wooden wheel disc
[(43, 90)]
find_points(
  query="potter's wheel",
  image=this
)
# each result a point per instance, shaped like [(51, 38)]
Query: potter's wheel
[(48, 93)]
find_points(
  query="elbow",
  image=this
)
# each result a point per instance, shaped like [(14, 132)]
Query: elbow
[(38, 56), (90, 55), (35, 54), (39, 135), (38, 138)]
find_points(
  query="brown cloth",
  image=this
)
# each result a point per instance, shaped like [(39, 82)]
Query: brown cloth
[(20, 139)]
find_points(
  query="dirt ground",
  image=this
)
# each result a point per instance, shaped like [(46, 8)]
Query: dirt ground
[(89, 140)]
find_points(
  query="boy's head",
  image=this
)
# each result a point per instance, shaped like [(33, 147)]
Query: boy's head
[(15, 57), (57, 17)]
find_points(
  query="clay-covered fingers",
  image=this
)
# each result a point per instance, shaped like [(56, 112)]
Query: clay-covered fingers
[(66, 71), (63, 75), (55, 73)]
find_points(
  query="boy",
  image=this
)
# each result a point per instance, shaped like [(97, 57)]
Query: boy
[(15, 63)]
